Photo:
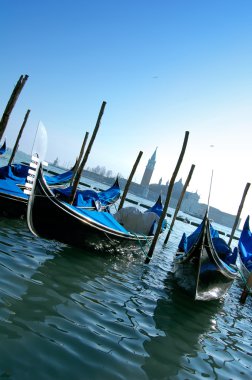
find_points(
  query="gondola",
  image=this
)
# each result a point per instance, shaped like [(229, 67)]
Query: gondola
[(13, 200), (97, 231), (245, 250), (204, 264), (245, 258)]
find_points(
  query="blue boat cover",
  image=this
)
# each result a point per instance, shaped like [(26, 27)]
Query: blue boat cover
[(222, 248), (245, 245), (187, 242), (104, 218), (157, 208), (83, 198), (59, 179), (225, 253), (87, 198), (11, 188), (19, 172)]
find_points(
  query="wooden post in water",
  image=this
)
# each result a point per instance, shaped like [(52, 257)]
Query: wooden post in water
[(246, 289), (130, 180), (78, 161), (14, 150), (11, 103), (85, 158), (239, 213), (169, 191), (179, 202)]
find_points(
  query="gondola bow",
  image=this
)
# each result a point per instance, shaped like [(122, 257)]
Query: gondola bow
[(204, 263)]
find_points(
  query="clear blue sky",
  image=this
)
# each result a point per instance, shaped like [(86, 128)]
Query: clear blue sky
[(163, 67)]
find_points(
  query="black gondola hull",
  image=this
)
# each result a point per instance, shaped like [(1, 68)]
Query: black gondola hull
[(51, 218), (12, 206), (201, 272)]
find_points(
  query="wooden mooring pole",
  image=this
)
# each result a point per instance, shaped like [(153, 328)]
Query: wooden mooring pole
[(11, 103), (239, 213), (85, 158), (246, 290), (78, 161), (179, 203), (169, 192), (126, 188), (15, 148)]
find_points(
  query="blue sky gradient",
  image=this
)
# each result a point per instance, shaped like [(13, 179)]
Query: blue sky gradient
[(163, 67)]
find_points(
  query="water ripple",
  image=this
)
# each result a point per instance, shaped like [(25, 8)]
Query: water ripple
[(67, 314)]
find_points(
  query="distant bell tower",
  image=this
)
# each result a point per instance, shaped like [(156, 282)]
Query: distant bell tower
[(149, 170)]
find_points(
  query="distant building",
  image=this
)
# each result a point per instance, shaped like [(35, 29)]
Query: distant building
[(190, 204), (149, 170), (56, 162)]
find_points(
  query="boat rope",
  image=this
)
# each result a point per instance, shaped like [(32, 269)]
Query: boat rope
[(45, 196), (140, 244)]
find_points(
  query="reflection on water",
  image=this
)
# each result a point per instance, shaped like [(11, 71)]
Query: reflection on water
[(69, 314), (198, 339), (182, 326)]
